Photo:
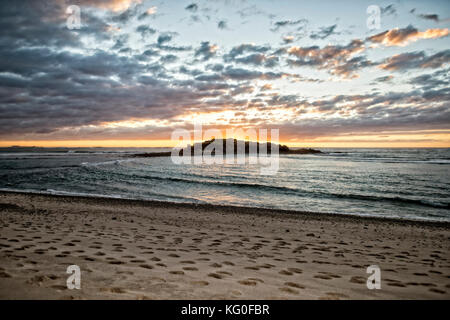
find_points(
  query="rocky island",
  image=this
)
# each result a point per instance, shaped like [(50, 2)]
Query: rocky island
[(250, 147)]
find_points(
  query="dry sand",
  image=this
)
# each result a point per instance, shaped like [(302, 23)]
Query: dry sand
[(148, 250)]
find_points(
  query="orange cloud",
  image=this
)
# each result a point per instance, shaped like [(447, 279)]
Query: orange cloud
[(152, 10), (401, 37), (114, 5)]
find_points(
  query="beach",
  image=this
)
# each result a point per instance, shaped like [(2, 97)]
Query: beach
[(131, 249)]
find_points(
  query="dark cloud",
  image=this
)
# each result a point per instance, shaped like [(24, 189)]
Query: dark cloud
[(433, 17), (286, 23), (145, 30), (324, 32), (222, 24), (170, 58), (432, 81), (193, 7), (206, 50), (384, 79), (413, 60), (245, 48), (338, 59), (258, 59), (174, 48), (388, 10), (427, 16), (164, 37), (253, 11)]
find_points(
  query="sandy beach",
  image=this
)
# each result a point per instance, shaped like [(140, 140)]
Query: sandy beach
[(153, 250)]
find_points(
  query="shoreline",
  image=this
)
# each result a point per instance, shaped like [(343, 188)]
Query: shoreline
[(246, 210), (134, 249)]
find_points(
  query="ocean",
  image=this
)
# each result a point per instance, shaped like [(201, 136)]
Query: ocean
[(401, 183)]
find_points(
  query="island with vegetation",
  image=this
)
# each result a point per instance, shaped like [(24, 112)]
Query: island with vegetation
[(250, 147)]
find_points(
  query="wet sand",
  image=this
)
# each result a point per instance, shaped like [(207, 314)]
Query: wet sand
[(152, 250)]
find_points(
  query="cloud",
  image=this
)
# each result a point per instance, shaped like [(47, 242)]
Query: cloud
[(286, 23), (324, 32), (245, 48), (258, 59), (151, 10), (252, 54), (114, 5), (193, 7), (266, 87), (413, 60), (170, 58), (427, 16), (288, 39), (222, 24), (253, 11), (388, 10), (401, 37), (164, 37), (56, 82), (428, 82), (433, 17), (335, 58), (384, 79), (206, 50), (145, 30)]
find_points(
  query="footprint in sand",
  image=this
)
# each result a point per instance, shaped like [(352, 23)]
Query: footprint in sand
[(215, 265), (59, 287), (113, 290), (295, 270), (190, 268), (177, 272), (336, 295), (294, 285), (358, 280), (289, 290), (200, 283), (323, 277), (248, 282), (252, 268), (285, 273), (437, 291)]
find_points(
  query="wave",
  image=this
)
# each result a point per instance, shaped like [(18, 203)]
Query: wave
[(101, 195), (288, 190)]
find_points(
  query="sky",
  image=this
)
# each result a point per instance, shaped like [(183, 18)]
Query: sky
[(324, 73)]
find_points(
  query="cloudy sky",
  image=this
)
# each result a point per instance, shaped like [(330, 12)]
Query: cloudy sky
[(136, 70)]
